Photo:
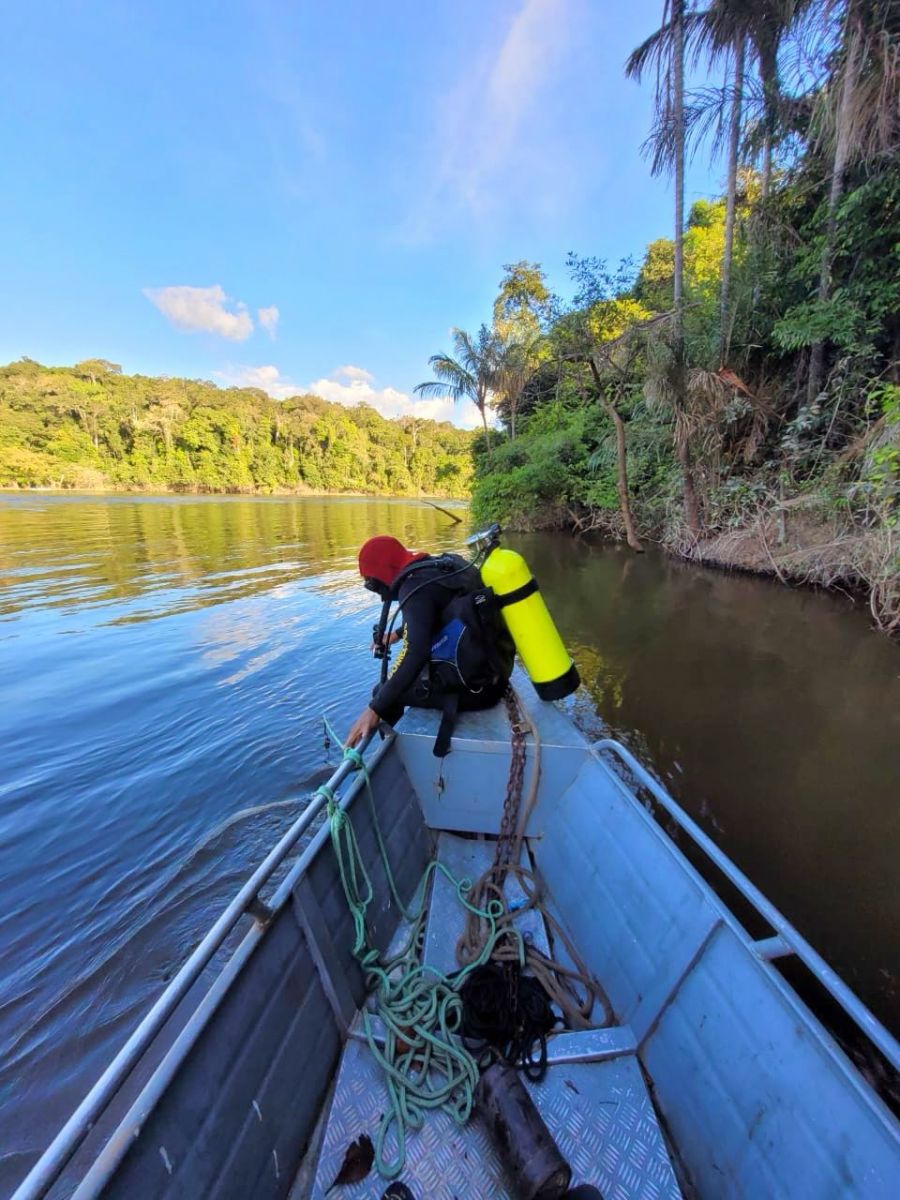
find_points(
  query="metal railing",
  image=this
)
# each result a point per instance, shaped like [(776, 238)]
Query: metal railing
[(50, 1165), (789, 939)]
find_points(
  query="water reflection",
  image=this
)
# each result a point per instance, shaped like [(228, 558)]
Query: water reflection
[(66, 552), (165, 664), (772, 715)]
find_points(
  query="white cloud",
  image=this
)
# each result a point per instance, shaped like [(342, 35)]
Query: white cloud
[(268, 378), (268, 318), (351, 385), (390, 402), (485, 136), (353, 374), (199, 309)]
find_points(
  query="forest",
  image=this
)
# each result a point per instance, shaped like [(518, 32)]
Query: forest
[(733, 397), (92, 427)]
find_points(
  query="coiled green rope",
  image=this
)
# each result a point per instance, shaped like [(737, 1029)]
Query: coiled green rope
[(425, 1064)]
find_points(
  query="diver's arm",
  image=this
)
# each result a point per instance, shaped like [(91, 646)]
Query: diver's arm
[(418, 617)]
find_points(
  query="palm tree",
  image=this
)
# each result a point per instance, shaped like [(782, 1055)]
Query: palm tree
[(766, 23), (516, 362), (470, 375), (734, 141), (724, 29), (857, 118), (716, 30), (666, 47)]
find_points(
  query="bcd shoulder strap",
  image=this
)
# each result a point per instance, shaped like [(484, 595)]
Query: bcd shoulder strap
[(449, 708)]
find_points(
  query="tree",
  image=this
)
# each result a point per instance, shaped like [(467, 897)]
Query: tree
[(599, 331), (522, 302), (669, 57), (93, 368), (516, 362), (470, 375), (728, 28), (766, 22), (734, 141), (58, 428), (857, 114)]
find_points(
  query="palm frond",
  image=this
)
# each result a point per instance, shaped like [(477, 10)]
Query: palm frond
[(707, 112), (862, 93), (652, 52), (437, 387)]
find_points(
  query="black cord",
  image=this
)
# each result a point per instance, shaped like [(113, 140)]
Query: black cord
[(508, 1013)]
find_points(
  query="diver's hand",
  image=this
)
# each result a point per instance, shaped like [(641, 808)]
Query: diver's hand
[(388, 640), (364, 724)]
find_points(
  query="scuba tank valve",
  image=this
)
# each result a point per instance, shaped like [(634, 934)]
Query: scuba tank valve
[(485, 540)]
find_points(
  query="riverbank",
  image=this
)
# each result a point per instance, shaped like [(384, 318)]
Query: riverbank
[(860, 562), (107, 490)]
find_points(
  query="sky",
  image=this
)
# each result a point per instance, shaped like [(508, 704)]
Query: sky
[(309, 195)]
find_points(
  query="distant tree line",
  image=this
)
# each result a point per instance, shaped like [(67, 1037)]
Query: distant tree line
[(90, 426)]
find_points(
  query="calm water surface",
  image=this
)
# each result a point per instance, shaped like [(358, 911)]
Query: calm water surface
[(164, 667)]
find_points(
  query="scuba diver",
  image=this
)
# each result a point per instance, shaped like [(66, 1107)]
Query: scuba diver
[(457, 654)]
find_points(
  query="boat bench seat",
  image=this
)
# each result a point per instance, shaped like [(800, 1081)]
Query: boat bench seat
[(469, 858)]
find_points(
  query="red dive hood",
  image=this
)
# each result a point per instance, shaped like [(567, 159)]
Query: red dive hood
[(383, 558)]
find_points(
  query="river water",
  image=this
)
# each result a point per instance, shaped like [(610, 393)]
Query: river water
[(165, 664)]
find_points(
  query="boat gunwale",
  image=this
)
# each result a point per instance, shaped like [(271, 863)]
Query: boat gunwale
[(48, 1169), (761, 949), (50, 1166)]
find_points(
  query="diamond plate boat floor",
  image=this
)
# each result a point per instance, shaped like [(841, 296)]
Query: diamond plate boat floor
[(599, 1113), (469, 858)]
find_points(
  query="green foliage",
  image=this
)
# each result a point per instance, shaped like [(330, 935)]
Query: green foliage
[(883, 470), (540, 469), (753, 434), (522, 302), (565, 458), (654, 282), (815, 320), (90, 426), (861, 315)]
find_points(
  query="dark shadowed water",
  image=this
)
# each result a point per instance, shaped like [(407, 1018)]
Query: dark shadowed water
[(165, 664)]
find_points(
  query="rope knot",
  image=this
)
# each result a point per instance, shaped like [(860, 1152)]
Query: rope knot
[(352, 755), (327, 795)]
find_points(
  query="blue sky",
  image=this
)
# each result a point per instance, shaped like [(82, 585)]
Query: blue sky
[(359, 171)]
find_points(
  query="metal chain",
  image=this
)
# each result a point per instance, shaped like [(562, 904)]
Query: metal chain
[(509, 820), (558, 981)]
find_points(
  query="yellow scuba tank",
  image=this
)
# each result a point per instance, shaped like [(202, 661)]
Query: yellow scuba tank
[(525, 614)]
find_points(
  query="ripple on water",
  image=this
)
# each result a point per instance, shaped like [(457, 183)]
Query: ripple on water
[(164, 664)]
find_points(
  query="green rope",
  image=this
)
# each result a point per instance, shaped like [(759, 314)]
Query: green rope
[(425, 1065)]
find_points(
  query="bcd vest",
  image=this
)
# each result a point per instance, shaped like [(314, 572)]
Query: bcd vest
[(471, 650)]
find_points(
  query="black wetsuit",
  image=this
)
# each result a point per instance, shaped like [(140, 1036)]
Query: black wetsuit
[(423, 599)]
